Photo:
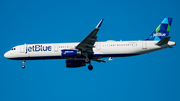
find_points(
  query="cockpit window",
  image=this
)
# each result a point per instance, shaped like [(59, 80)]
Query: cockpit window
[(13, 49)]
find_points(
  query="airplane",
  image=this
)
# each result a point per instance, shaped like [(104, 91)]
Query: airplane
[(81, 53)]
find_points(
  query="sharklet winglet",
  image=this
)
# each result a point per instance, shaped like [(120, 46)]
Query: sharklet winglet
[(99, 24)]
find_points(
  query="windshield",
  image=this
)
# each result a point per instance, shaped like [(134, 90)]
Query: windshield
[(13, 49)]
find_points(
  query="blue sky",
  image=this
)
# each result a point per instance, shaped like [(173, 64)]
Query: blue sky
[(154, 76)]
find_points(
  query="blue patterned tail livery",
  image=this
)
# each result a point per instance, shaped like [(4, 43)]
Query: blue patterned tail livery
[(161, 31)]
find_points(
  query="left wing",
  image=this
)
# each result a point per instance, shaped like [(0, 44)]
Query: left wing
[(88, 43), (102, 60)]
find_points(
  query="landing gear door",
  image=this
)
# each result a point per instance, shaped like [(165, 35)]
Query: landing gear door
[(144, 44)]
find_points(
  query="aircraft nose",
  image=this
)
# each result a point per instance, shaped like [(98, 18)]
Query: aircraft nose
[(7, 55)]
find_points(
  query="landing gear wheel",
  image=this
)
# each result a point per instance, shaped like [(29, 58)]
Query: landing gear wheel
[(23, 66), (90, 67)]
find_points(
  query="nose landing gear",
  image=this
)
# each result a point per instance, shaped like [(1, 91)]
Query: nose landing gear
[(23, 66)]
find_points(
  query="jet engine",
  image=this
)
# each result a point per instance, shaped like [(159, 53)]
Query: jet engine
[(75, 63)]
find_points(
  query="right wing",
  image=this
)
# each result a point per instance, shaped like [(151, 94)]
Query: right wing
[(88, 43)]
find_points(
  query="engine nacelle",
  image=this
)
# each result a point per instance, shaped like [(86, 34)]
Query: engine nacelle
[(75, 63), (70, 52)]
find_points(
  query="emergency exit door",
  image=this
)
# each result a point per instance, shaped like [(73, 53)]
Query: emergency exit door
[(56, 47)]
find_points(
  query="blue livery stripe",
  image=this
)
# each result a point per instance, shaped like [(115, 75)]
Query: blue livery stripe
[(59, 57)]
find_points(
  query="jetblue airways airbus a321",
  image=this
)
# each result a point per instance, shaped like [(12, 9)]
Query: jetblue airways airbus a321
[(82, 53)]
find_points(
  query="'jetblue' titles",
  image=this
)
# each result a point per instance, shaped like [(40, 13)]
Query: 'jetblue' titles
[(37, 48)]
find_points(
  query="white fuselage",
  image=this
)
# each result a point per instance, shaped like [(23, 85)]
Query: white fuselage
[(101, 49)]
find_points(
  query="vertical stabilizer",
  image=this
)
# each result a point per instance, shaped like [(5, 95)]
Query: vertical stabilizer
[(161, 31)]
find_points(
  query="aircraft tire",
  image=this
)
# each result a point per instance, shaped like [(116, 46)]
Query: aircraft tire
[(90, 67), (23, 66)]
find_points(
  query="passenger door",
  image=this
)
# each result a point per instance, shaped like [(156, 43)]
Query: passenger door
[(22, 48), (144, 44), (98, 46)]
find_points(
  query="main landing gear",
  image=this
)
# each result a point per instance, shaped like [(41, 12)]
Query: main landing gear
[(90, 67), (87, 60), (23, 66)]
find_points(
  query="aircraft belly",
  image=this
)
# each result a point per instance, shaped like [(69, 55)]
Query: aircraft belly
[(37, 55)]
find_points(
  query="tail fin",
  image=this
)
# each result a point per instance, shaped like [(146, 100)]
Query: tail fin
[(161, 31)]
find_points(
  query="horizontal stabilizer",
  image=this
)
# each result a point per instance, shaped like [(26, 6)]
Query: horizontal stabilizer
[(164, 41), (170, 47)]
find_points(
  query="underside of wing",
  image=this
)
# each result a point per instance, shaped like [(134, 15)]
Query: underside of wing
[(99, 60)]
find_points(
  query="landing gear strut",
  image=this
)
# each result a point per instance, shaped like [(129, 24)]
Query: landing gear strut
[(23, 66), (87, 60)]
